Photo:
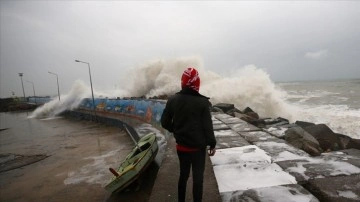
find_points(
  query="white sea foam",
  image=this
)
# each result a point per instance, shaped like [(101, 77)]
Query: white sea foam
[(93, 172), (334, 103), (273, 194), (333, 167), (348, 194), (340, 118)]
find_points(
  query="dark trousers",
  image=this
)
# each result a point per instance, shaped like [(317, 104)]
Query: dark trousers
[(196, 161)]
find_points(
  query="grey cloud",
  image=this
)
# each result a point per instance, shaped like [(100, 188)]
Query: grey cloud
[(114, 36), (317, 54)]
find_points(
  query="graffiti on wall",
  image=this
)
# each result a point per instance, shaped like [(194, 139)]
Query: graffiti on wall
[(149, 111)]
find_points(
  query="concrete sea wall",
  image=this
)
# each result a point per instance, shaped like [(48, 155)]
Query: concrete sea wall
[(147, 111), (131, 112)]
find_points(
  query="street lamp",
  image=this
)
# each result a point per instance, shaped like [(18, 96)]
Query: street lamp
[(92, 92), (22, 84), (33, 89), (57, 81)]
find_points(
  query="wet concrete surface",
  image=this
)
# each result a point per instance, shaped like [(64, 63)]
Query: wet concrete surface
[(336, 189), (79, 155), (14, 161), (165, 187)]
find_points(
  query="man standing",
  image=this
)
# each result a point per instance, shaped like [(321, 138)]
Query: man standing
[(187, 115)]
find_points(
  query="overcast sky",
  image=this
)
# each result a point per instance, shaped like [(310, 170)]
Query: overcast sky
[(291, 40)]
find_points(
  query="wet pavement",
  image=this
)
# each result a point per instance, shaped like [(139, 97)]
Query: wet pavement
[(79, 154)]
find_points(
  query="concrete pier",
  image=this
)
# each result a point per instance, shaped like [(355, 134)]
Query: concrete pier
[(330, 177), (165, 187)]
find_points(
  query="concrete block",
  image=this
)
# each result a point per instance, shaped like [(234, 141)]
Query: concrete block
[(230, 141), (232, 120), (220, 127), (317, 167), (227, 119), (281, 151), (243, 126), (247, 167), (258, 136), (225, 133), (277, 132), (225, 106), (288, 193), (335, 189), (222, 116), (351, 156)]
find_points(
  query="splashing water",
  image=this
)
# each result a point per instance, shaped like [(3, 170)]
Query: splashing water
[(245, 87), (69, 101), (161, 77), (250, 87)]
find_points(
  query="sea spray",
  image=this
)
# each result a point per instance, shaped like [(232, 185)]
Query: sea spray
[(246, 87), (70, 101), (158, 77), (249, 87)]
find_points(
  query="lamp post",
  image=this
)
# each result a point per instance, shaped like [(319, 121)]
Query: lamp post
[(92, 92), (57, 81), (22, 84), (33, 89)]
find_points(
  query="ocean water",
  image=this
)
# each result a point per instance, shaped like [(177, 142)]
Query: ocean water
[(335, 103)]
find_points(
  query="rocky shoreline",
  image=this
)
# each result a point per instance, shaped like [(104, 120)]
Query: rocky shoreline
[(312, 138)]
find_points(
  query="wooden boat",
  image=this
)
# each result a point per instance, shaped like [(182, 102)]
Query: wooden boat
[(134, 164)]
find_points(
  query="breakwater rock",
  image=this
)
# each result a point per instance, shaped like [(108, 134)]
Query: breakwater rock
[(302, 160), (312, 138)]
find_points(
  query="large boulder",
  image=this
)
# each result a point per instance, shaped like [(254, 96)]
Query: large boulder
[(232, 112), (278, 122), (253, 115), (304, 124), (301, 139), (216, 109), (329, 141), (347, 142), (248, 111), (354, 143), (225, 107), (249, 119)]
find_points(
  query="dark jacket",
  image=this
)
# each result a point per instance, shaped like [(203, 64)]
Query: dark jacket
[(187, 115)]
